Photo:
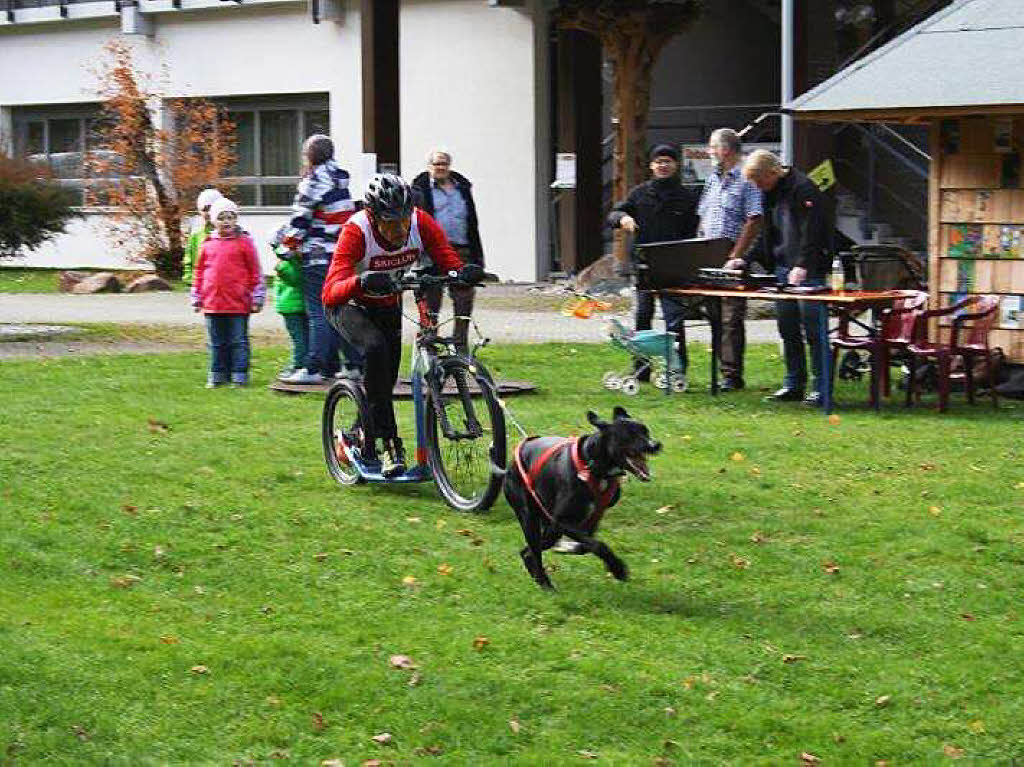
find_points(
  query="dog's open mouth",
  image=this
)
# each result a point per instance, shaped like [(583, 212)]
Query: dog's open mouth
[(637, 465)]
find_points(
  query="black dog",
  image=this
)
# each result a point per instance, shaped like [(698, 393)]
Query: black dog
[(562, 487)]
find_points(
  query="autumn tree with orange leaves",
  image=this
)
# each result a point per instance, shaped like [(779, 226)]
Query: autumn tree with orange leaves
[(148, 171)]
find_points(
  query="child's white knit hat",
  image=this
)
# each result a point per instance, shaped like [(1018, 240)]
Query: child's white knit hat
[(207, 197), (221, 205)]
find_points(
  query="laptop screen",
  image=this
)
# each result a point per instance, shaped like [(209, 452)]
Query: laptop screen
[(675, 264)]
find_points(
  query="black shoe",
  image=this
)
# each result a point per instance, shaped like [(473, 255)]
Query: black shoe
[(813, 399), (731, 385), (785, 394), (393, 462)]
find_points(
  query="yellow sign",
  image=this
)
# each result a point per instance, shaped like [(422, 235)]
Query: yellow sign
[(824, 176)]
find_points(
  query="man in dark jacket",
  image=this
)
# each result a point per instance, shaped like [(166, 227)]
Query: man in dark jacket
[(448, 197), (796, 239), (658, 210)]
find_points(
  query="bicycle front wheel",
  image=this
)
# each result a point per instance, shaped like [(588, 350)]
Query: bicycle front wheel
[(466, 447), (343, 430)]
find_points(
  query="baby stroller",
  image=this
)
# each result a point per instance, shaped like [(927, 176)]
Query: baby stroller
[(657, 353)]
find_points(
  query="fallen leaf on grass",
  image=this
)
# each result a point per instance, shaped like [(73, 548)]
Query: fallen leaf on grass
[(440, 523), (480, 643), (664, 509), (169, 639), (273, 700), (977, 727), (927, 466), (808, 758), (465, 532), (686, 438), (513, 724), (834, 419), (409, 581), (967, 616), (199, 670), (444, 568), (383, 738), (320, 557), (755, 472), (669, 711), (739, 562), (401, 661), (413, 520), (434, 750), (372, 763), (830, 567), (124, 581), (80, 732), (953, 752), (737, 456), (130, 510), (414, 679), (1019, 486), (883, 700), (157, 427), (332, 763), (587, 754), (317, 721), (758, 537), (793, 658), (934, 511)]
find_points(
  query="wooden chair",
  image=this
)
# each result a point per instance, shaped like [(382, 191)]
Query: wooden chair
[(969, 343), (894, 333)]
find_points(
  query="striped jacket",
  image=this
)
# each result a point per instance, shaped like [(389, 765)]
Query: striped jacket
[(322, 204)]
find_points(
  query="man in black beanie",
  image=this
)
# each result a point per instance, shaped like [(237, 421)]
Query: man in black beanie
[(657, 210)]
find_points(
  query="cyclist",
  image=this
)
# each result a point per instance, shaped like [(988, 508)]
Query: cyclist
[(377, 245)]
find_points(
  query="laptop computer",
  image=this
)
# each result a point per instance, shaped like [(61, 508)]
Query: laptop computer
[(675, 264)]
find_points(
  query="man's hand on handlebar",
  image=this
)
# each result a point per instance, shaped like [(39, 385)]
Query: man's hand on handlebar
[(377, 283), (471, 274)]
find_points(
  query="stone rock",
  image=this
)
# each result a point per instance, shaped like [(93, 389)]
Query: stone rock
[(101, 282), (67, 280), (147, 283), (600, 271)]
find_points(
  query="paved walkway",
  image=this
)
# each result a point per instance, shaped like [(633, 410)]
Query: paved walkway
[(500, 324)]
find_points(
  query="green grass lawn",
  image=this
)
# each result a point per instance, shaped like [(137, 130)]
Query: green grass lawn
[(201, 592), (16, 279)]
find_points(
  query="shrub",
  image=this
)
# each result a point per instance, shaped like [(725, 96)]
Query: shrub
[(33, 207)]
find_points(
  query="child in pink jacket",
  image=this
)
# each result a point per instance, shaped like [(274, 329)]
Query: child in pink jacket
[(228, 287)]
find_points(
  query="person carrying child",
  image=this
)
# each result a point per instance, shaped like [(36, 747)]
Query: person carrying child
[(290, 301), (228, 287), (202, 227)]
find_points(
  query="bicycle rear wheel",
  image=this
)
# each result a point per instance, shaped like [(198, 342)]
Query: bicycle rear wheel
[(342, 430), (466, 447)]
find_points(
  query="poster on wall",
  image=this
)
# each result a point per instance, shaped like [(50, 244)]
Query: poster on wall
[(697, 163)]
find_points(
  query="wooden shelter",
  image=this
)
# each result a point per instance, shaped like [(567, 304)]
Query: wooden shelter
[(958, 72)]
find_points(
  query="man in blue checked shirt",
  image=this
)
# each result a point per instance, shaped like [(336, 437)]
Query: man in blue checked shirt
[(730, 207)]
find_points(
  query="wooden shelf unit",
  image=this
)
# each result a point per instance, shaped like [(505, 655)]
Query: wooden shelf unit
[(976, 220)]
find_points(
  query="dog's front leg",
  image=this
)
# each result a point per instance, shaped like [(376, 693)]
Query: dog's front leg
[(593, 546), (531, 523)]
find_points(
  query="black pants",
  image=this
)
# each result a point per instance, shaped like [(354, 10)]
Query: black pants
[(377, 333), (675, 312)]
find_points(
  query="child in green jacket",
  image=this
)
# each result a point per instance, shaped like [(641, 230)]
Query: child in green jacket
[(290, 303), (200, 231)]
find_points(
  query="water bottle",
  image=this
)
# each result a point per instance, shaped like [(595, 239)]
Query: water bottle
[(838, 275)]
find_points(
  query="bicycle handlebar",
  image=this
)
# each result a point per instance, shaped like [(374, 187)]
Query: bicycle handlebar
[(413, 281)]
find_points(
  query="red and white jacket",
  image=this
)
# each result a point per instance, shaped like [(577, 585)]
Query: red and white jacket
[(359, 250)]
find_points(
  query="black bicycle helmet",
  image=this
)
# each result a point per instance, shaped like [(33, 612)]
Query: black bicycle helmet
[(388, 196)]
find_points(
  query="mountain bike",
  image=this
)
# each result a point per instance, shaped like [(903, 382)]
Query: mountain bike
[(459, 420)]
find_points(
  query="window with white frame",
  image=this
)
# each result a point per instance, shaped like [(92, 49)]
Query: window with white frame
[(269, 131), (58, 136)]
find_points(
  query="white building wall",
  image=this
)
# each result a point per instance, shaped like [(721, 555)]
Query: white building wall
[(229, 50), (468, 83)]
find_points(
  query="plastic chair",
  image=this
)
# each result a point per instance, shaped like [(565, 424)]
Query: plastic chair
[(893, 335), (966, 345)]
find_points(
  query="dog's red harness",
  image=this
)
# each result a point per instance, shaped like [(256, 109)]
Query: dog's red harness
[(603, 490)]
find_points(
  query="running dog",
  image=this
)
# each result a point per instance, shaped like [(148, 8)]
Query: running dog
[(562, 486)]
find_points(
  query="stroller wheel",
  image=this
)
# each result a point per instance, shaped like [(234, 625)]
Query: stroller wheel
[(679, 383), (611, 380), (630, 385), (661, 381), (851, 366)]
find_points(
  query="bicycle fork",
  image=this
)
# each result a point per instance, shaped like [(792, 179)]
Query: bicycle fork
[(473, 429)]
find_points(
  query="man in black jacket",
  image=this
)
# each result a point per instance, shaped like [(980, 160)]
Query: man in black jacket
[(658, 210), (448, 197), (796, 239)]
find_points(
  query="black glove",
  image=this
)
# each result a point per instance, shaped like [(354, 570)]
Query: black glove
[(471, 274), (377, 283)]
